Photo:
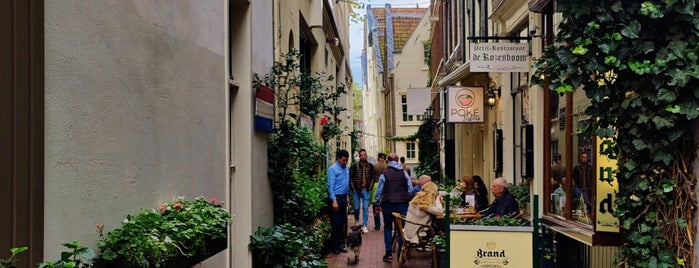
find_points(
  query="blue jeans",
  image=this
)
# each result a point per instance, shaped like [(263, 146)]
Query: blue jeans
[(388, 208), (364, 196)]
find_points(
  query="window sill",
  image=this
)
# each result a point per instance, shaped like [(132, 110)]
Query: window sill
[(581, 232)]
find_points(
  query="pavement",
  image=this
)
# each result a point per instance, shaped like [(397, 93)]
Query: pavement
[(371, 255)]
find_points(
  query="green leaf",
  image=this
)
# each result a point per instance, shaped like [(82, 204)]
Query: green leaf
[(662, 122), (632, 30), (639, 144), (666, 95), (675, 109), (18, 250), (686, 9)]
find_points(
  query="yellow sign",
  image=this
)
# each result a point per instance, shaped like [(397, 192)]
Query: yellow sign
[(607, 187), (490, 249)]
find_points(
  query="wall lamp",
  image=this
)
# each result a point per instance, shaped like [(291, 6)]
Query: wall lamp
[(492, 94), (333, 41)]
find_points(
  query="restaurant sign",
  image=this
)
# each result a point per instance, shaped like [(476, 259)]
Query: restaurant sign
[(499, 57), (465, 105), (607, 188), (493, 249)]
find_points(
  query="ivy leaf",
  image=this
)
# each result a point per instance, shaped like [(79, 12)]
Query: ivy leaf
[(666, 95), (687, 8), (666, 158), (690, 109), (668, 187), (642, 118), (639, 144), (632, 30), (678, 48), (675, 109), (661, 122), (679, 78)]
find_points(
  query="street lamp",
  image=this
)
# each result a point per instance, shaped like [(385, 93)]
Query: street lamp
[(492, 95)]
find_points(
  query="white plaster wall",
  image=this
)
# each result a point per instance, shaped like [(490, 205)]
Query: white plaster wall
[(135, 111)]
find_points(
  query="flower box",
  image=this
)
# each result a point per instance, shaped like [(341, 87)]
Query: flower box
[(212, 248), (180, 234)]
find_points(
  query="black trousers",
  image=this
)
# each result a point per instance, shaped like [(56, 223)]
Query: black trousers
[(338, 222)]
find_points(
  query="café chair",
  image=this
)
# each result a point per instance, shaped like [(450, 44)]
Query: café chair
[(425, 233)]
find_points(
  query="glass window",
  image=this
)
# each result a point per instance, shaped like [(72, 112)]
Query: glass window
[(404, 108), (410, 150), (575, 176)]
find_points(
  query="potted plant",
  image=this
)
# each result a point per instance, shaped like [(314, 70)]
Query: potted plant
[(180, 234)]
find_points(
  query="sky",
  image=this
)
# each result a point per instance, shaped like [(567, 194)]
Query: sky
[(357, 32)]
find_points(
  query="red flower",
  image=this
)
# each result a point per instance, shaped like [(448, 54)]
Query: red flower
[(100, 228), (213, 200), (162, 208), (177, 206)]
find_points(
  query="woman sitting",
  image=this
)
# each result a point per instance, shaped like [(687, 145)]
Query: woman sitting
[(426, 203)]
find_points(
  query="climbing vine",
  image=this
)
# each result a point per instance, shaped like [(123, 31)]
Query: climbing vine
[(638, 64)]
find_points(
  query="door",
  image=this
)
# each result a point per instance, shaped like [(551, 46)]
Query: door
[(22, 129)]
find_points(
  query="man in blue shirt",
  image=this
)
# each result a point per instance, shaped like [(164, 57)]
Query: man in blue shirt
[(394, 192), (338, 187)]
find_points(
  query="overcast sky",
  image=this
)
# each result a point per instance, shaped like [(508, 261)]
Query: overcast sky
[(357, 32)]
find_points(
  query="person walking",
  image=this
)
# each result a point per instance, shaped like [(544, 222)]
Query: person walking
[(362, 175), (394, 192), (338, 187), (405, 166), (379, 168)]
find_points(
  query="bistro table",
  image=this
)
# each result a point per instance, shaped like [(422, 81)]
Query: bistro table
[(465, 215)]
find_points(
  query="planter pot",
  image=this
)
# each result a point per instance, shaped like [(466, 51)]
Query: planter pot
[(212, 248)]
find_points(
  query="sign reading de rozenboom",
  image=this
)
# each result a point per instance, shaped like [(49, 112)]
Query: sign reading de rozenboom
[(499, 57)]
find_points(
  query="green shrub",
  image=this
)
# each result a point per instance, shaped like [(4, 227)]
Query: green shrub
[(288, 246)]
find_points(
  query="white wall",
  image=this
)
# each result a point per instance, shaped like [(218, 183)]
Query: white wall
[(135, 111)]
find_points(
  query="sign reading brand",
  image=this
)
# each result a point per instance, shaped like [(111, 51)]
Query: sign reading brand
[(499, 57), (607, 187), (493, 249), (465, 105)]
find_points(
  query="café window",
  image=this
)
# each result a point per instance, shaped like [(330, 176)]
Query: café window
[(571, 192)]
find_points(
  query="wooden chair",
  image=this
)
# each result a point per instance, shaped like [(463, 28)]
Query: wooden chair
[(424, 240)]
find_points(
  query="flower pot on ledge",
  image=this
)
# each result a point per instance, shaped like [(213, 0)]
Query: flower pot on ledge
[(212, 247)]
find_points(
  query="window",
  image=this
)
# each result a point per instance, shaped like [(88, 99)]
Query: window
[(410, 150), (582, 184), (404, 106), (426, 52)]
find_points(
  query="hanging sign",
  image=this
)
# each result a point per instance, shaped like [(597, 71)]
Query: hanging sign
[(499, 57), (465, 105), (607, 188)]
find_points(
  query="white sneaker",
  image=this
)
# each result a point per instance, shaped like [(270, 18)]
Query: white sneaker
[(364, 229)]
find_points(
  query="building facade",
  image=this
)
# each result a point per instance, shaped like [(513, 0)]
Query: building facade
[(395, 54), (113, 107)]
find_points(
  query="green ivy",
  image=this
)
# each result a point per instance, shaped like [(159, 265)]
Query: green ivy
[(429, 151), (637, 62)]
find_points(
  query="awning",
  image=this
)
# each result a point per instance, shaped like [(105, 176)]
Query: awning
[(457, 75)]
